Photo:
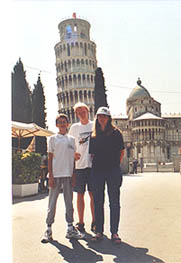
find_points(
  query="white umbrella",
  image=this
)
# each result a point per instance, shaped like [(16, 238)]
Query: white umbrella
[(24, 130)]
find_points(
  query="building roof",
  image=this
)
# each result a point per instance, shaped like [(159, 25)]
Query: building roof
[(139, 91), (119, 116), (148, 116), (171, 115)]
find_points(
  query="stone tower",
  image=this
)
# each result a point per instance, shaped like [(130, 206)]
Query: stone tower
[(75, 66)]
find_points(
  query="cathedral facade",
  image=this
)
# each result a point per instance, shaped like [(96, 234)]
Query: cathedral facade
[(149, 136)]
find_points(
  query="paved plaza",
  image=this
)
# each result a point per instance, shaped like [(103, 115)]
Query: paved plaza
[(150, 226)]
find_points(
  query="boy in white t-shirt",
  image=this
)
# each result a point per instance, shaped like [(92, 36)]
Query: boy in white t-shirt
[(61, 151), (83, 180)]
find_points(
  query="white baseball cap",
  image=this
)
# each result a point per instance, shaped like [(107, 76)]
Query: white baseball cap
[(104, 111)]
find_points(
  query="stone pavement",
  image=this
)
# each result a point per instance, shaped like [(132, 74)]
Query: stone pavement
[(150, 226)]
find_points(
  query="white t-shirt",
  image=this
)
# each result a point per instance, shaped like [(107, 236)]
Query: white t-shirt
[(82, 134), (63, 148)]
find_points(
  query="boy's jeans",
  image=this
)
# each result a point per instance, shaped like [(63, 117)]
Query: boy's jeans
[(66, 182)]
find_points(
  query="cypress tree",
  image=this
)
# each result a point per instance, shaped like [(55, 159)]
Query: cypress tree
[(21, 95), (39, 115), (100, 90), (21, 100)]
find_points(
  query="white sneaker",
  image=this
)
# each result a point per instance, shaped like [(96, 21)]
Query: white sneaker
[(47, 236), (74, 233)]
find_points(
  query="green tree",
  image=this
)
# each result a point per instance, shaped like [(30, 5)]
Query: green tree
[(100, 90), (21, 95), (39, 115), (21, 100)]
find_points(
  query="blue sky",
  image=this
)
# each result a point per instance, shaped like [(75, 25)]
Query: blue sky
[(134, 39)]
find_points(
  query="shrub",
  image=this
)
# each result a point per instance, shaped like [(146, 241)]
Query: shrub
[(25, 167)]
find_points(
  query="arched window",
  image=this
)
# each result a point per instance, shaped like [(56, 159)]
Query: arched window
[(80, 95), (62, 66), (78, 62), (62, 82), (68, 50), (85, 49), (68, 113), (63, 99), (71, 96), (85, 94), (69, 64), (65, 66), (74, 79), (70, 79), (83, 78), (68, 31), (73, 115), (76, 96), (67, 96), (58, 67), (88, 80), (66, 81), (75, 28), (79, 79)]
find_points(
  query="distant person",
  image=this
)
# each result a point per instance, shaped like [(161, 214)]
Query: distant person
[(61, 151), (82, 131), (141, 164), (107, 150), (135, 164), (43, 181)]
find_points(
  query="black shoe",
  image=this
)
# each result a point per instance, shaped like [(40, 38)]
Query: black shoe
[(80, 227), (93, 227)]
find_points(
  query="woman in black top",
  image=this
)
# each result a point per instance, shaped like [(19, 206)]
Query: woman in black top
[(107, 150)]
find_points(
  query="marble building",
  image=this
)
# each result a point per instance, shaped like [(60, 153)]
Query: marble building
[(149, 135), (75, 66)]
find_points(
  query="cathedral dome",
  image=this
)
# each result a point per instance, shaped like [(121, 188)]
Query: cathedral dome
[(139, 91)]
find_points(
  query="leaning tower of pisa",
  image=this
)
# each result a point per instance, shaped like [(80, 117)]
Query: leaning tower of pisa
[(75, 65)]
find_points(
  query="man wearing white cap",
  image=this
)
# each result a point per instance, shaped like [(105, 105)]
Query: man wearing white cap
[(82, 131)]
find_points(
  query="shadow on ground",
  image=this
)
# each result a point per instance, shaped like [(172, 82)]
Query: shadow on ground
[(95, 252), (39, 196), (77, 254)]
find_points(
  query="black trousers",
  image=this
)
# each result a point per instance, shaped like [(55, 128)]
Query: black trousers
[(113, 179)]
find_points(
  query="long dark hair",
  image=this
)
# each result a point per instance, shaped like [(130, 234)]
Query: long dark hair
[(97, 128)]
